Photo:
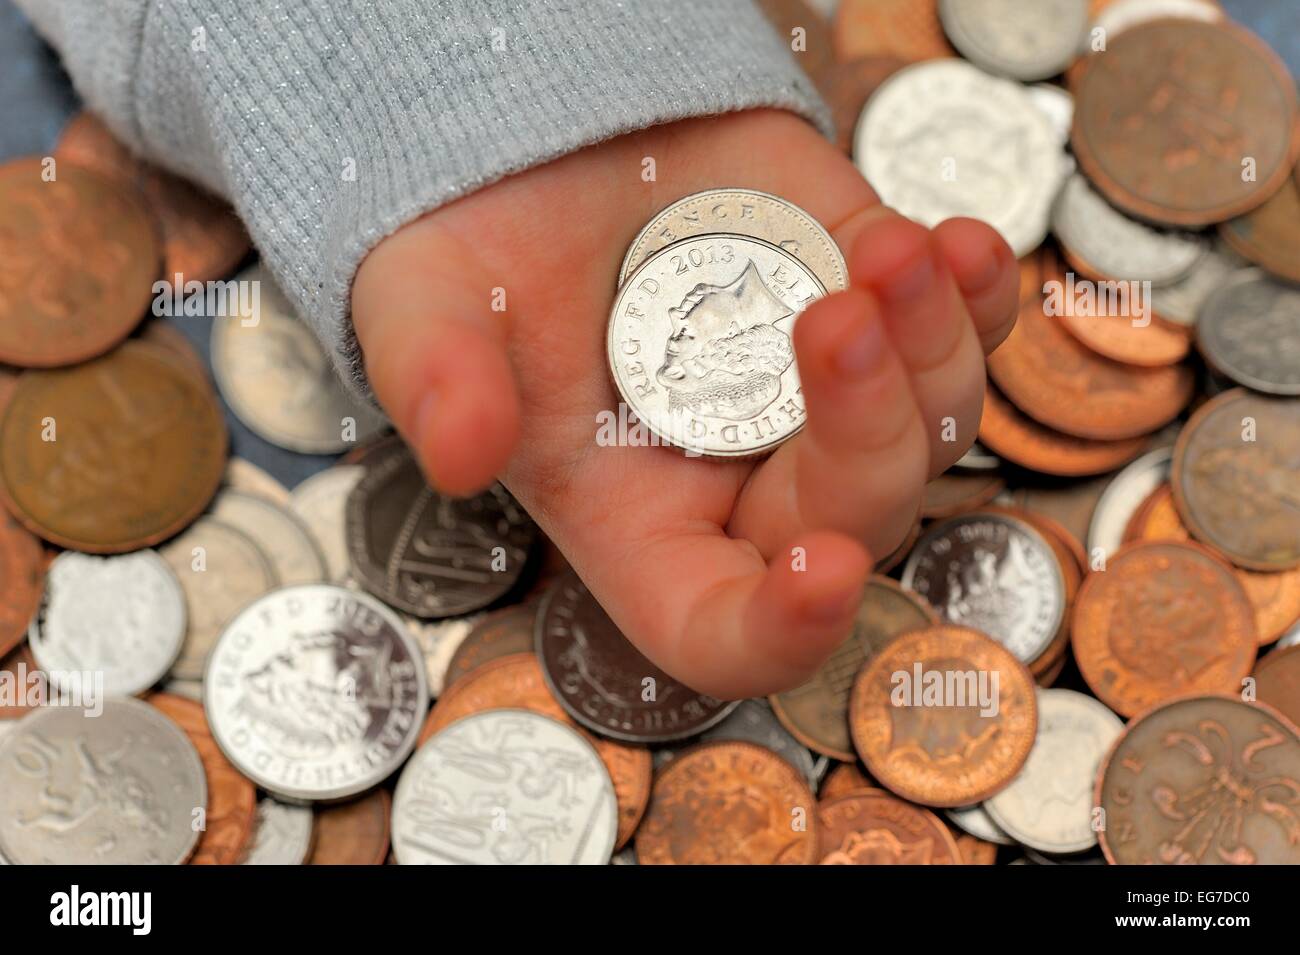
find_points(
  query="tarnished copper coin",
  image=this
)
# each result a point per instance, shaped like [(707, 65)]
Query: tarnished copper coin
[(22, 579), (164, 335), (202, 237), (232, 798), (875, 828), (1234, 478), (1023, 441), (599, 677), (353, 833), (80, 256), (907, 29), (1162, 620), (499, 634), (817, 712), (516, 681), (1203, 780), (112, 455), (729, 803), (944, 716), (1277, 682), (1270, 235), (1167, 116), (1086, 395), (844, 779), (954, 493)]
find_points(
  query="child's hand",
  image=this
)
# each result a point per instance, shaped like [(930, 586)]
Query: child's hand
[(692, 558)]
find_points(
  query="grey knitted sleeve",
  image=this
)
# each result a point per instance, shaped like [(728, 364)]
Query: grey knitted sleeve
[(330, 123)]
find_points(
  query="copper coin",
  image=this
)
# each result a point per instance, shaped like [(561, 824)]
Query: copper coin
[(817, 712), (845, 778), (20, 671), (499, 634), (1203, 780), (232, 798), (954, 493), (353, 833), (846, 87), (600, 678), (138, 451), (80, 257), (1167, 115), (1234, 478), (1275, 596), (875, 828), (1023, 441), (944, 716), (1085, 394), (1270, 235), (1162, 620), (729, 803), (1143, 340), (974, 851), (1277, 682), (516, 681), (202, 237), (907, 29), (165, 336), (1072, 505), (22, 580)]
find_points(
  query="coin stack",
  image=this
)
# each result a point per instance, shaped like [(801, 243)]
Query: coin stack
[(1115, 565)]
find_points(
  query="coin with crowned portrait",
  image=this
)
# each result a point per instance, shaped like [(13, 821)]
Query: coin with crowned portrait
[(700, 344)]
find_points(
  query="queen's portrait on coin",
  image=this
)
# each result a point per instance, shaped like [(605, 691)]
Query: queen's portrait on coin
[(726, 355)]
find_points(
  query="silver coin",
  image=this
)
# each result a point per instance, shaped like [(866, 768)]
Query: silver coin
[(742, 212), (121, 616), (1180, 302), (700, 344), (975, 821), (438, 641), (1249, 330), (625, 856), (979, 458), (282, 834), (189, 689), (753, 721), (1057, 105), (280, 534), (1121, 499), (1049, 805), (1116, 247), (995, 574), (1289, 639), (505, 787), (1124, 15), (246, 476), (220, 569), (941, 139), (1025, 41), (278, 380), (315, 692), (120, 788), (321, 501)]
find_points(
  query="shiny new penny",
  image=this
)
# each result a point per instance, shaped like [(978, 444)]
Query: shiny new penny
[(729, 803), (1162, 620), (353, 833), (1270, 235), (1023, 441), (501, 633), (232, 799), (1277, 682), (1204, 780), (80, 257), (1249, 331), (943, 716), (202, 237), (817, 712), (516, 682), (1241, 496), (599, 676), (22, 579), (907, 29), (875, 828), (1086, 395), (1167, 114), (139, 450)]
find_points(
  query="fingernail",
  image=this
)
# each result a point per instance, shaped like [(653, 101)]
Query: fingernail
[(858, 353), (913, 279), (832, 610)]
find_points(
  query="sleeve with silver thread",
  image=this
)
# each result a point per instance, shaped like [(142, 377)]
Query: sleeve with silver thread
[(329, 124)]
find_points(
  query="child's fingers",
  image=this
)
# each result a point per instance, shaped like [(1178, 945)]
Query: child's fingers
[(706, 609), (986, 272), (435, 356), (860, 463)]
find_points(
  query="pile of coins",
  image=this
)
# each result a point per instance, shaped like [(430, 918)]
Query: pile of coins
[(1110, 578)]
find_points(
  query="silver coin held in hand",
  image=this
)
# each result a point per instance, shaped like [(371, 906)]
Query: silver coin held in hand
[(701, 348), (315, 692)]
